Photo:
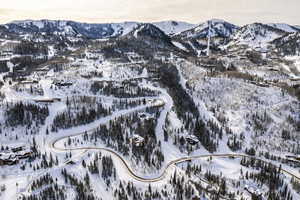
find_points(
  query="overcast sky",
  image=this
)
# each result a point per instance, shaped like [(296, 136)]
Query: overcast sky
[(194, 11)]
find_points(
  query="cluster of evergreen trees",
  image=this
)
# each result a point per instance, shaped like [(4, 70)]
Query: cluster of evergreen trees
[(46, 188), (128, 89), (27, 63), (83, 110), (25, 114), (186, 109), (260, 121), (269, 175), (118, 134), (82, 187), (80, 111), (234, 142), (106, 167), (31, 48)]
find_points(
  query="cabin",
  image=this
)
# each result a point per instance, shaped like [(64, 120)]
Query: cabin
[(12, 156), (293, 158), (24, 154), (62, 83), (254, 191), (191, 139), (53, 100), (137, 140), (156, 102), (8, 159), (8, 162), (145, 116), (17, 149)]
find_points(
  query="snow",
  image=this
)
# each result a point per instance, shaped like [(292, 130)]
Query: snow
[(218, 28), (235, 99), (296, 60), (285, 27), (51, 51), (173, 27), (125, 27), (179, 45), (255, 36), (10, 66)]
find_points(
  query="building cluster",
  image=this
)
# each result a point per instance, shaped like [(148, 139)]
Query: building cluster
[(14, 154)]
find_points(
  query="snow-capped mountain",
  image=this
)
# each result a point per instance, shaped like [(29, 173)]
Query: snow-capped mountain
[(138, 111), (93, 31), (148, 30), (189, 37), (173, 27), (219, 28), (256, 35), (195, 39), (151, 35), (71, 28), (285, 27), (288, 44)]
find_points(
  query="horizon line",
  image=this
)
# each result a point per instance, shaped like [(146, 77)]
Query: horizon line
[(135, 21)]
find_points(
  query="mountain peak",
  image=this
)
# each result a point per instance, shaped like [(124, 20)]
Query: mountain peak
[(172, 27), (219, 28), (148, 30)]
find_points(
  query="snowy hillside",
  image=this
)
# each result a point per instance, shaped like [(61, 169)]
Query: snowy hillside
[(218, 28), (256, 35), (149, 111), (288, 44), (70, 28), (285, 27), (173, 27)]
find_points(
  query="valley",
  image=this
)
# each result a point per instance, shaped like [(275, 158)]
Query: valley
[(149, 111)]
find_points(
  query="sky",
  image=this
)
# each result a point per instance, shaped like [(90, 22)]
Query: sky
[(194, 11)]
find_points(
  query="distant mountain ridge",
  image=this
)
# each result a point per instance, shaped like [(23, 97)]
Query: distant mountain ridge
[(190, 37), (71, 28)]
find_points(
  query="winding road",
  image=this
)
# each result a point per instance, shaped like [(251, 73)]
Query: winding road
[(160, 101), (54, 145)]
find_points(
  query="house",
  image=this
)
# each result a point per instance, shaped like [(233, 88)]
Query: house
[(192, 140), (137, 140), (8, 159), (12, 156), (17, 149), (145, 116), (62, 83), (254, 191), (47, 100), (24, 154)]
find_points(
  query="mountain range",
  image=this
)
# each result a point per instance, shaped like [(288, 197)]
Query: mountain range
[(185, 36)]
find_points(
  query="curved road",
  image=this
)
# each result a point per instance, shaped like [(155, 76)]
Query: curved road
[(53, 145), (159, 102)]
